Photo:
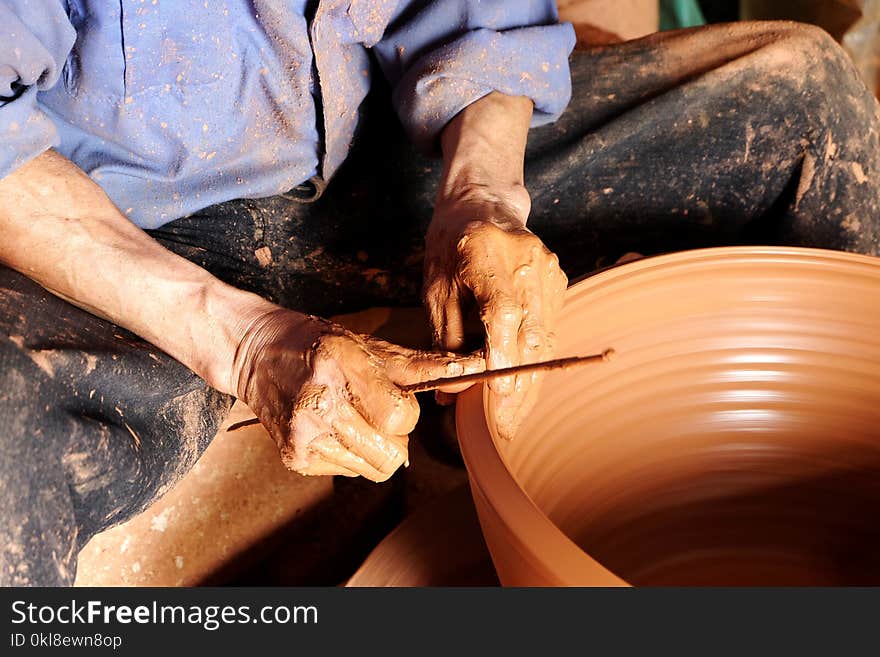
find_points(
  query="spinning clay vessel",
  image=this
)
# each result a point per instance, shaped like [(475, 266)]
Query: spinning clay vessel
[(735, 439)]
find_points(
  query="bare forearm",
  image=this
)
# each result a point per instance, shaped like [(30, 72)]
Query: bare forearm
[(61, 230), (483, 151)]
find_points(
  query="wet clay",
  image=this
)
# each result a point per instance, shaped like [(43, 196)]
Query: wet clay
[(735, 439), (333, 400)]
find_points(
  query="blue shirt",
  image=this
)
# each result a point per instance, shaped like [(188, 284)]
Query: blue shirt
[(174, 105)]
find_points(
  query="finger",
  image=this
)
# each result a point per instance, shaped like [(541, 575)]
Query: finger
[(319, 468), (532, 339), (406, 366), (540, 310), (502, 316), (435, 297), (305, 426), (443, 300), (332, 451), (309, 430), (296, 455), (472, 364), (510, 411), (541, 298), (447, 322), (534, 345), (388, 409), (385, 454)]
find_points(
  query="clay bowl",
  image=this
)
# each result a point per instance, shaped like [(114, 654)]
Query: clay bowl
[(735, 440)]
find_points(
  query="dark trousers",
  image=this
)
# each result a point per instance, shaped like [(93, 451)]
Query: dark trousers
[(726, 135)]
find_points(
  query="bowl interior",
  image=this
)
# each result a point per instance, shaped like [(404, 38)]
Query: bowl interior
[(735, 439)]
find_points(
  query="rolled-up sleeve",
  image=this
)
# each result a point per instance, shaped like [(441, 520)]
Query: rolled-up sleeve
[(35, 39), (441, 56)]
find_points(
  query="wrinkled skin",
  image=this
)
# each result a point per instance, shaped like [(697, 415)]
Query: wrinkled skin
[(479, 249), (331, 399)]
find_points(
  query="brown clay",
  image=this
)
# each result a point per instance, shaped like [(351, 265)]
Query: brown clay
[(331, 399), (735, 440)]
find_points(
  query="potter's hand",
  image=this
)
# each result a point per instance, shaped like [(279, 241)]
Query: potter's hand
[(330, 398), (479, 248)]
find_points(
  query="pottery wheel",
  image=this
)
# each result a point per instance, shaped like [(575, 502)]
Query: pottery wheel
[(439, 545)]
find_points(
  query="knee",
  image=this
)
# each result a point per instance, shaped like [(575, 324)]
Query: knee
[(797, 65), (812, 44), (804, 50), (810, 34)]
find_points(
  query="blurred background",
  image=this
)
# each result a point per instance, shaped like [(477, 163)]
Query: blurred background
[(853, 23)]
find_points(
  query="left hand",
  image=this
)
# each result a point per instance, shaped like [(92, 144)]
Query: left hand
[(479, 247)]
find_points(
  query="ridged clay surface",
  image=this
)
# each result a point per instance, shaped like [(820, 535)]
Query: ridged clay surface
[(734, 440)]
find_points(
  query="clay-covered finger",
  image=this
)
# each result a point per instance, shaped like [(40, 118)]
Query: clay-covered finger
[(307, 427), (491, 266), (534, 344), (384, 453), (406, 366), (330, 450), (502, 316), (540, 290), (319, 468), (533, 338), (387, 408), (510, 411), (443, 301)]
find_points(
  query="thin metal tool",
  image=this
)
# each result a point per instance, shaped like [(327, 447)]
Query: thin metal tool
[(434, 384)]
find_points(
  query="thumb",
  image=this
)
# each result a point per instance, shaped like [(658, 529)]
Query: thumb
[(406, 366)]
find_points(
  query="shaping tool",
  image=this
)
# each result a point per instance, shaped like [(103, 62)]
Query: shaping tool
[(487, 375)]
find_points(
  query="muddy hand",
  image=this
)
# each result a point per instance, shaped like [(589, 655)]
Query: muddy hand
[(331, 398), (484, 251)]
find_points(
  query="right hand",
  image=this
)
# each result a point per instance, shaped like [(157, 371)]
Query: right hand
[(331, 398)]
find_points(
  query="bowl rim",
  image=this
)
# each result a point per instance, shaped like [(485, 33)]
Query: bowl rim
[(477, 437)]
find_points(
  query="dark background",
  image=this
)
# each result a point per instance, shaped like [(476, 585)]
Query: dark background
[(720, 11)]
